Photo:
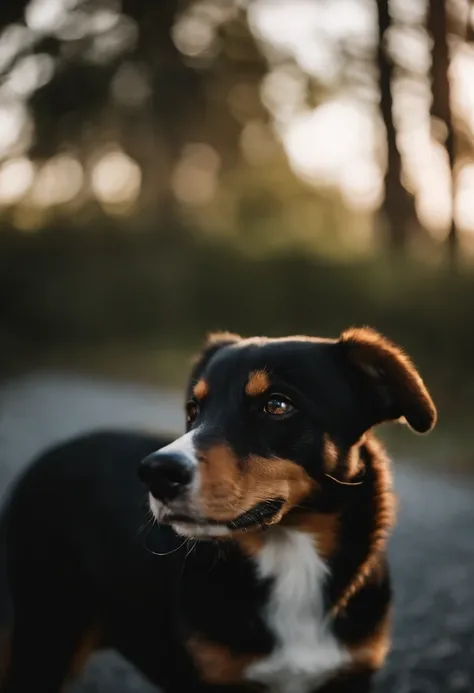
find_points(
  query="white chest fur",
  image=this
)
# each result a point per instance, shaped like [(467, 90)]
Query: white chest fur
[(307, 652)]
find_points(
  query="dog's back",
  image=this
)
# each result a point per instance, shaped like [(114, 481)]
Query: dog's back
[(276, 503), (79, 539)]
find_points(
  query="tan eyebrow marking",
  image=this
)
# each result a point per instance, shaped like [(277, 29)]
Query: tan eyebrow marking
[(257, 383), (201, 389)]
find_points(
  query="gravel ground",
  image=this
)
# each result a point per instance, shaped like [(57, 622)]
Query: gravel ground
[(432, 551)]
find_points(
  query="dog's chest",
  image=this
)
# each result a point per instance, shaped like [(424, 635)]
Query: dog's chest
[(306, 653)]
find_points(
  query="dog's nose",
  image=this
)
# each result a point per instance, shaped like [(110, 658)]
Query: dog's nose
[(166, 474)]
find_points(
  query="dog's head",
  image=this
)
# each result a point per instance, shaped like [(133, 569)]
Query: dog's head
[(267, 419)]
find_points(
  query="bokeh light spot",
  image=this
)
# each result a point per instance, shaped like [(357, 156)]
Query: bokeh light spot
[(321, 143), (116, 179), (464, 207), (30, 73), (13, 118), (58, 181), (46, 16), (193, 35), (195, 176), (16, 177)]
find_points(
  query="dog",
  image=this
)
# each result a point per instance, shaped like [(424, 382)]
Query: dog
[(264, 567)]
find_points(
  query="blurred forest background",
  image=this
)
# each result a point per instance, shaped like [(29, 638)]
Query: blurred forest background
[(266, 166)]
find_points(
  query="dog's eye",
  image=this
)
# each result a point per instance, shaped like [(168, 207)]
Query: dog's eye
[(278, 405), (192, 411)]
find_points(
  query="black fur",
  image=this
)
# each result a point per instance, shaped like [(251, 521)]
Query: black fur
[(83, 553)]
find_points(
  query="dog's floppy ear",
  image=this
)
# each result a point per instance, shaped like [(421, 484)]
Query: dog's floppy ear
[(394, 386), (213, 343)]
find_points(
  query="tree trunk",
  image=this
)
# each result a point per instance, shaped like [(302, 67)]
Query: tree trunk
[(470, 19), (441, 103), (398, 206)]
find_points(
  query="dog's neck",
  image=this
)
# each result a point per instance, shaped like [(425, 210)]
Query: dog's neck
[(367, 516), (347, 525)]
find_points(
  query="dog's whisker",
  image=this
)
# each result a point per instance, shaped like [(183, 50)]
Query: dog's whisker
[(192, 546), (167, 553), (147, 524)]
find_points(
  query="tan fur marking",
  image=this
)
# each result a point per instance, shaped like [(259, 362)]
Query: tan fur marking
[(383, 360), (277, 478), (216, 663), (324, 527), (251, 542), (229, 488), (201, 389), (330, 454), (343, 463), (221, 484), (91, 641), (258, 383), (372, 651), (385, 513)]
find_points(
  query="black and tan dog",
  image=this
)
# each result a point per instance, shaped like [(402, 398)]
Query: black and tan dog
[(266, 570)]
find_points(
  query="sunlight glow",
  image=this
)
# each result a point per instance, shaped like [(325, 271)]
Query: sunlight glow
[(462, 70), (120, 37), (338, 143), (464, 206), (410, 48), (116, 179), (409, 11), (283, 93), (131, 85), (75, 27), (323, 142), (16, 177), (13, 39), (58, 181), (335, 144), (196, 29), (45, 16), (362, 185), (195, 176), (427, 175), (30, 73), (348, 19), (433, 200), (306, 30), (257, 144), (13, 119), (192, 35), (103, 20)]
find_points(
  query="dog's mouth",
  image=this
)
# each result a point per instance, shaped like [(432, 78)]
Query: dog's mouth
[(259, 516)]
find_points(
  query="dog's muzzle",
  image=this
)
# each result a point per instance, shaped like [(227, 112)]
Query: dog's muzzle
[(168, 475), (258, 516)]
